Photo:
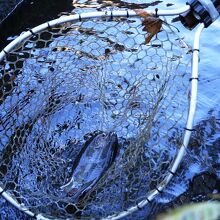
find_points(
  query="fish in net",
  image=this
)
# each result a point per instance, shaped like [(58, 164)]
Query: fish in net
[(63, 84)]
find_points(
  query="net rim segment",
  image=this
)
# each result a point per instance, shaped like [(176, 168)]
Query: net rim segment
[(192, 107), (80, 17)]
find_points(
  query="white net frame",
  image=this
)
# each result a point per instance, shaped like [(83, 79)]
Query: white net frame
[(189, 124)]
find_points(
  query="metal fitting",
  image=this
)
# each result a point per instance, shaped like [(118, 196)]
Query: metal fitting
[(201, 11)]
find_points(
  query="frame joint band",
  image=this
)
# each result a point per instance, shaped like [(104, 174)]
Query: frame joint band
[(32, 32), (139, 208), (6, 53), (80, 18), (156, 12), (193, 50), (194, 78), (188, 129), (171, 172), (148, 200), (159, 191), (128, 14), (111, 15)]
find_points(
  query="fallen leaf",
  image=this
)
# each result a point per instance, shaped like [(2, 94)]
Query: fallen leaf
[(152, 24)]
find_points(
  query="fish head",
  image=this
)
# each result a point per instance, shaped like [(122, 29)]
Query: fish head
[(107, 145), (112, 138), (105, 140)]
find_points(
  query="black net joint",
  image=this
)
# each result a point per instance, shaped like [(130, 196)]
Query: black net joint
[(80, 18), (171, 172), (111, 15), (159, 191), (6, 53), (128, 14), (156, 12), (195, 50), (194, 78), (33, 34), (138, 207), (48, 26), (2, 192), (149, 201), (188, 129)]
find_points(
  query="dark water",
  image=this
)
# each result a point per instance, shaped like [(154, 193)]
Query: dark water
[(31, 14), (206, 138), (7, 7)]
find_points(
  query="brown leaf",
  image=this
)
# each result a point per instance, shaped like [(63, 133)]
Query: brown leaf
[(152, 25)]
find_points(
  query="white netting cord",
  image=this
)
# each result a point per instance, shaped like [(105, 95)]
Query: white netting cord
[(65, 84)]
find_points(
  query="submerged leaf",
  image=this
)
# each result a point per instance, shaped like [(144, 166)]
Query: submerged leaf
[(152, 25)]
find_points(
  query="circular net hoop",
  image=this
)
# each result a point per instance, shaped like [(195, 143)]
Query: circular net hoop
[(61, 85)]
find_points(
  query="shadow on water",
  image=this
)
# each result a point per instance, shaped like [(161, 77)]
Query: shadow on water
[(7, 7), (30, 14)]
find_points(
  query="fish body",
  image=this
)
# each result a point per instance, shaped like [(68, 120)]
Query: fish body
[(92, 162)]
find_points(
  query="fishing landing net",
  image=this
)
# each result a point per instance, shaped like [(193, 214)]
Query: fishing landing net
[(77, 76)]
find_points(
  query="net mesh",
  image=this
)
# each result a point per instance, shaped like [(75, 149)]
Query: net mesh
[(66, 85)]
